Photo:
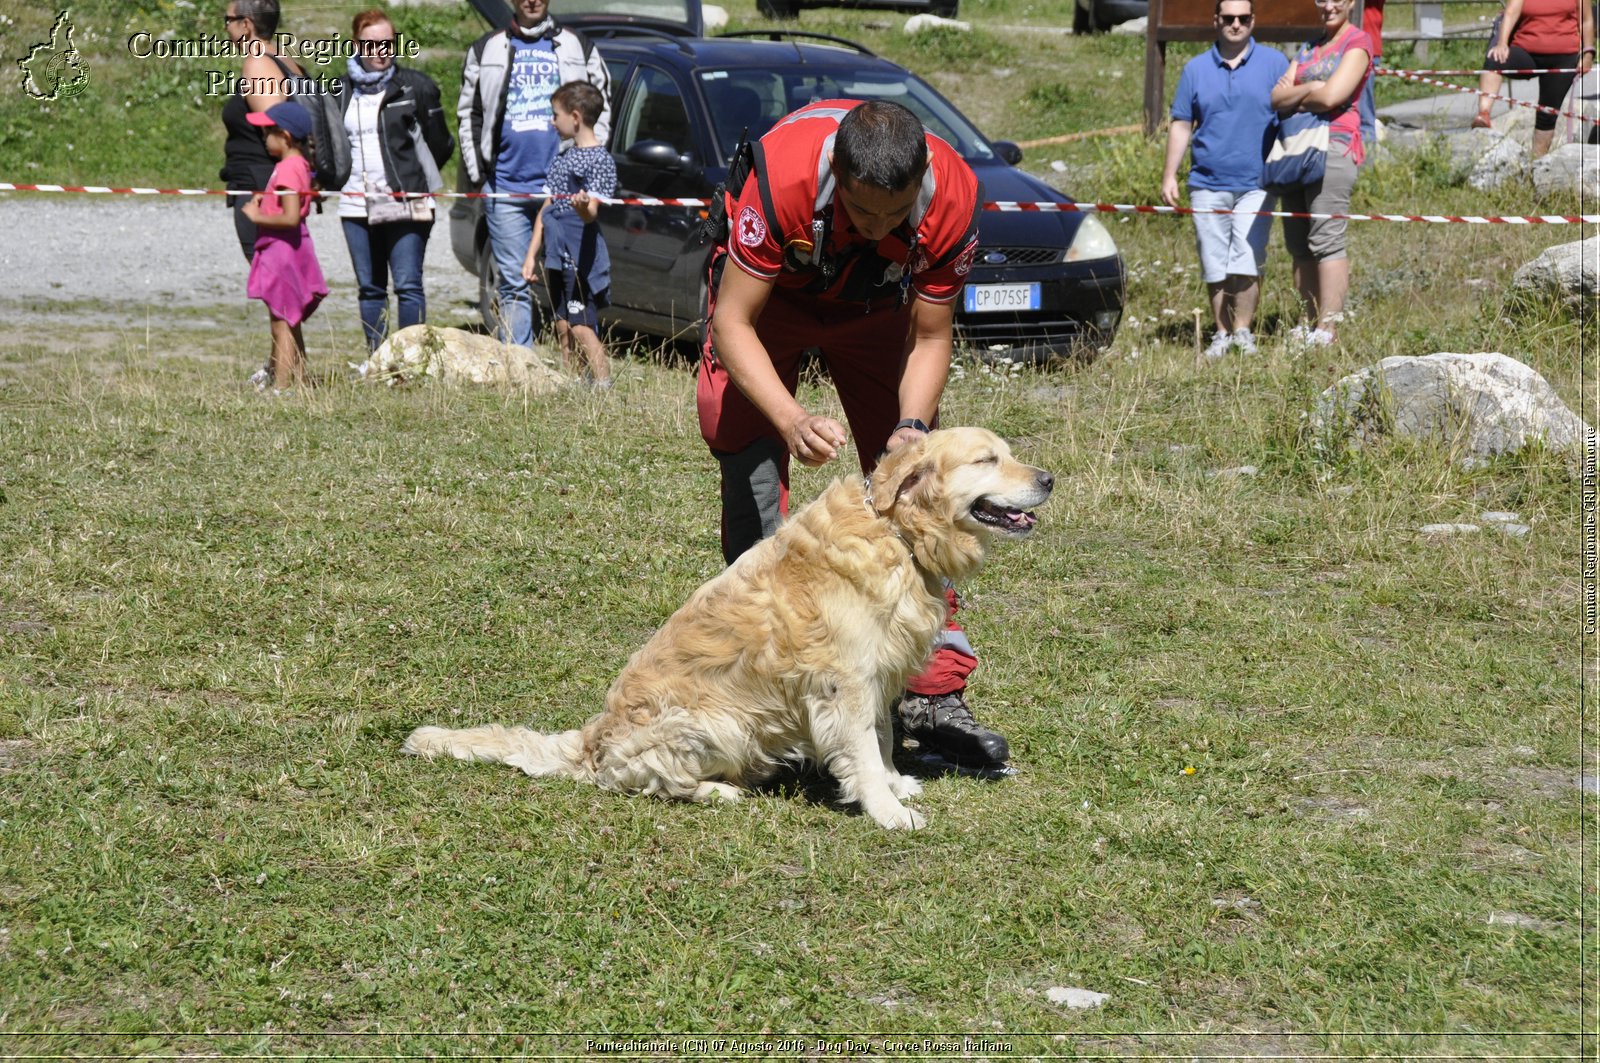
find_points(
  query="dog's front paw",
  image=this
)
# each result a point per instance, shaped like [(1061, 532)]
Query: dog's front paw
[(902, 818), (904, 786)]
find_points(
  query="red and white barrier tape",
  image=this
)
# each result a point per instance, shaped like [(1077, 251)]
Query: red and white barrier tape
[(1409, 76), (1009, 206), (1459, 219), (1521, 72)]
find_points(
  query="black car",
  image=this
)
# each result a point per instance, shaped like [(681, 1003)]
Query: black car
[(1094, 16), (781, 9), (1043, 284)]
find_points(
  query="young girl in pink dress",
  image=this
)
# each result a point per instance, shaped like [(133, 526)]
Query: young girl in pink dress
[(284, 272)]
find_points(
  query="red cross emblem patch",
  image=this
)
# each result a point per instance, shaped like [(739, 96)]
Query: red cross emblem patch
[(752, 230)]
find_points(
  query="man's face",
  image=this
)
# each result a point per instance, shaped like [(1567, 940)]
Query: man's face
[(1234, 21), (531, 12), (876, 212)]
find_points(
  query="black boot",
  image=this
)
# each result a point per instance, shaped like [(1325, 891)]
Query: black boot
[(942, 724)]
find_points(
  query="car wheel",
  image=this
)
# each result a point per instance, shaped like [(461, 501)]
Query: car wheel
[(1083, 17), (488, 289), (945, 8), (778, 9)]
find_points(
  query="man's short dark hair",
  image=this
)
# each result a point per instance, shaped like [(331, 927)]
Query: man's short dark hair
[(263, 15), (882, 144), (1252, 4), (582, 97)]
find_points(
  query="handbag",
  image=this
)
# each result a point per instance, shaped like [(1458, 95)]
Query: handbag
[(1299, 154), (385, 208)]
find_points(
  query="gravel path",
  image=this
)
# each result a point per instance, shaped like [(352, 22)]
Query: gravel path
[(115, 257)]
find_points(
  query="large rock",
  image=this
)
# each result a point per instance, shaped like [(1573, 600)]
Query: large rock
[(455, 356), (1480, 405), (1566, 271), (1505, 159), (1569, 168)]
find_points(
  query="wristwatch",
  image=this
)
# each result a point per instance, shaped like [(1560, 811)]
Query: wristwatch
[(911, 422)]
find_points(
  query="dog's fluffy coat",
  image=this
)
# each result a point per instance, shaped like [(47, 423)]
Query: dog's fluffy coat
[(797, 649)]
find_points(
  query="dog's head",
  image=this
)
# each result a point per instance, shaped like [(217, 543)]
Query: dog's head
[(952, 492)]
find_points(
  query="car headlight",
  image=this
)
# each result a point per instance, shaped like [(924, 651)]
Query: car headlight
[(1092, 241)]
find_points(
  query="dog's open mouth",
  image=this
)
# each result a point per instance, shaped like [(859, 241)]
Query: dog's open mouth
[(1011, 521)]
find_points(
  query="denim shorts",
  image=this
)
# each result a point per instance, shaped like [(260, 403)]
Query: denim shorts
[(1231, 244)]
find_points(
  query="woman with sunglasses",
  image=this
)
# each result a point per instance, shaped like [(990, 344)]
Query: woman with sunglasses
[(1326, 78), (398, 142), (251, 25)]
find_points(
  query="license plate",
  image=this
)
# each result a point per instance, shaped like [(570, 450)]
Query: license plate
[(990, 298)]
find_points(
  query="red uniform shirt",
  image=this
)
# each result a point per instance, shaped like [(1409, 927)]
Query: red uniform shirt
[(789, 203), (1547, 27)]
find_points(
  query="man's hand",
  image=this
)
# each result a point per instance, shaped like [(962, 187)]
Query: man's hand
[(901, 437), (814, 439), (1169, 190)]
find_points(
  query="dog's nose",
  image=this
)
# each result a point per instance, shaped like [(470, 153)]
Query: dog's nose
[(1045, 480)]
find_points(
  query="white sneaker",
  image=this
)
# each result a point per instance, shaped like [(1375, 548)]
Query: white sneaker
[(1220, 342), (1319, 337), (260, 379), (1245, 340)]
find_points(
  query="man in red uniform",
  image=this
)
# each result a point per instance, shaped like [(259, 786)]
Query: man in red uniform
[(851, 236)]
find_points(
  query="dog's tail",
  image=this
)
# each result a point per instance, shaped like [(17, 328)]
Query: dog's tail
[(535, 753)]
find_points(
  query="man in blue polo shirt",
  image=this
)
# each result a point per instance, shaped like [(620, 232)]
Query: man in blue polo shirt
[(1224, 105)]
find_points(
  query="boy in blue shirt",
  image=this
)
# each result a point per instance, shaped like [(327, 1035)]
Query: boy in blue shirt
[(576, 263), (1224, 105)]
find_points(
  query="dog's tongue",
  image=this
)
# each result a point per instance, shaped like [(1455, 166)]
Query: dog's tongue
[(1017, 516)]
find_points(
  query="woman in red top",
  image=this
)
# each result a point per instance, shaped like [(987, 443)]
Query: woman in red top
[(1540, 34)]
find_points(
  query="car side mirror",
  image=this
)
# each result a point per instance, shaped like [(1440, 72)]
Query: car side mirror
[(660, 154), (1009, 152)]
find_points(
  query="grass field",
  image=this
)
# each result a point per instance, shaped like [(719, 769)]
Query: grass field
[(1294, 779)]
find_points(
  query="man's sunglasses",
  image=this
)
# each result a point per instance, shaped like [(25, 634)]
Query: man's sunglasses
[(1243, 20)]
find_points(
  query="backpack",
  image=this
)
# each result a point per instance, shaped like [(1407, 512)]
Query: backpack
[(329, 151)]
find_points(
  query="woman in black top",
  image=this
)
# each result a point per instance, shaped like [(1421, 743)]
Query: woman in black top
[(398, 142), (251, 24)]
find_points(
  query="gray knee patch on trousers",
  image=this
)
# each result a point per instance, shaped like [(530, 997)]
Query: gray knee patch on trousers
[(751, 489)]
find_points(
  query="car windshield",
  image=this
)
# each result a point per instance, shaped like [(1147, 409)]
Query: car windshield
[(674, 11), (755, 99)]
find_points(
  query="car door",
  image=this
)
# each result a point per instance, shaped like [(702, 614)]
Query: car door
[(659, 154)]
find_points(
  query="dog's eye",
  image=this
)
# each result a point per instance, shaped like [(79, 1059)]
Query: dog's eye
[(990, 459)]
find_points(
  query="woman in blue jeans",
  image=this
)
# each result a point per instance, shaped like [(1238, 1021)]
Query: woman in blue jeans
[(398, 141)]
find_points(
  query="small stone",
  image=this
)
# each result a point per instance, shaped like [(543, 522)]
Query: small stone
[(1525, 922), (1058, 166), (1076, 998), (1448, 529), (1516, 531), (1589, 784), (1240, 903), (1234, 473), (1499, 516)]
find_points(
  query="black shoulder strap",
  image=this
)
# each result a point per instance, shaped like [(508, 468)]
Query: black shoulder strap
[(714, 227)]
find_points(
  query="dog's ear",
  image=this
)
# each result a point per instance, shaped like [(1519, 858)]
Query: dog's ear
[(898, 475)]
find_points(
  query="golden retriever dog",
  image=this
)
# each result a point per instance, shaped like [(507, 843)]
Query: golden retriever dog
[(798, 649)]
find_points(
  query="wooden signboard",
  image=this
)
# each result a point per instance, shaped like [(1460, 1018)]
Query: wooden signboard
[(1191, 20)]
